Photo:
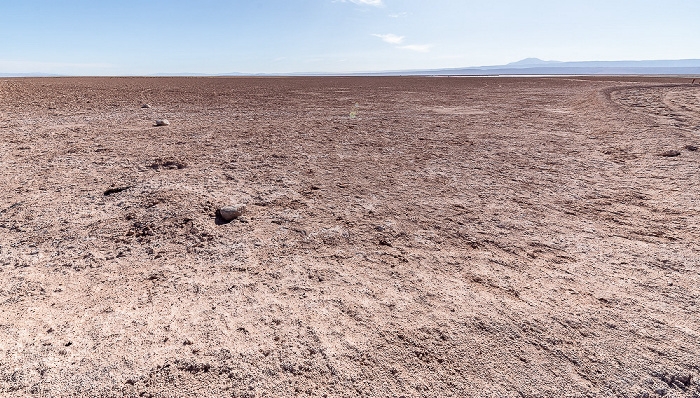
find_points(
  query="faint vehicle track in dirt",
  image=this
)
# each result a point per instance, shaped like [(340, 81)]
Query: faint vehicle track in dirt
[(677, 105)]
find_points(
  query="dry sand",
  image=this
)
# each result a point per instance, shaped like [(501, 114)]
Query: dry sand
[(455, 237)]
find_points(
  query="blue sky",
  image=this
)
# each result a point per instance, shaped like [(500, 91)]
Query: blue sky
[(127, 37)]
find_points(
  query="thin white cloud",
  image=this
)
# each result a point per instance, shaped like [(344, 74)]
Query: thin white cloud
[(390, 38), (396, 40), (398, 15), (376, 3), (423, 48)]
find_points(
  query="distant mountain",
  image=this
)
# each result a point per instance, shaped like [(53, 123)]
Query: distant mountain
[(527, 62), (184, 74)]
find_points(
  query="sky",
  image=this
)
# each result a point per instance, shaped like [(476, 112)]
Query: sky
[(128, 37)]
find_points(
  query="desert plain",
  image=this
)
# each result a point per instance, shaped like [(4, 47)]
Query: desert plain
[(403, 237)]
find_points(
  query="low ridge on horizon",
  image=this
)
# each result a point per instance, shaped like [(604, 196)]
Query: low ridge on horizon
[(527, 66)]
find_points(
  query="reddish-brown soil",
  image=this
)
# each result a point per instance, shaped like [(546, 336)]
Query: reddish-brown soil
[(452, 237)]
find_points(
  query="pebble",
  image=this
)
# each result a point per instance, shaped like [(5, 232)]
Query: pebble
[(228, 213), (163, 122), (145, 106), (670, 154)]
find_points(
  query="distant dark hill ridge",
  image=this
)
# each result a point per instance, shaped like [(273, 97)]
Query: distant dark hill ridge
[(535, 66)]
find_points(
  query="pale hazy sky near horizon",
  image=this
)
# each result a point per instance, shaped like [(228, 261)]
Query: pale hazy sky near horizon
[(127, 37)]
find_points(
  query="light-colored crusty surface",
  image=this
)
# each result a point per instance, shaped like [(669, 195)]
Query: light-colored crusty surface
[(416, 237)]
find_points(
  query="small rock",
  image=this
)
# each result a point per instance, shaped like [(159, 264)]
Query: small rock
[(145, 106), (168, 163), (228, 213), (691, 148), (163, 122), (114, 190), (685, 378), (157, 276), (670, 154)]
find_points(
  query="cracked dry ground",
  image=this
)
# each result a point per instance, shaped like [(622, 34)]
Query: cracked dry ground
[(456, 237)]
